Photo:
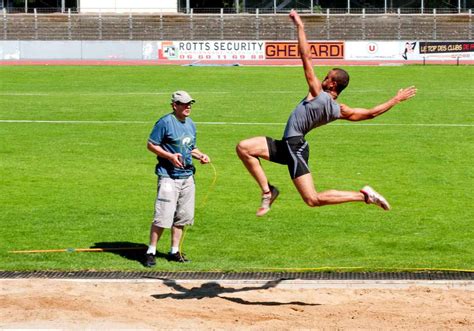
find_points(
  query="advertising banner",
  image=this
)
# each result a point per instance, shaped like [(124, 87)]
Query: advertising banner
[(380, 50), (212, 50), (246, 50), (409, 50), (447, 49), (319, 50), (237, 50)]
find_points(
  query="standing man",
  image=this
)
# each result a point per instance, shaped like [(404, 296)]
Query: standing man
[(173, 140), (317, 108)]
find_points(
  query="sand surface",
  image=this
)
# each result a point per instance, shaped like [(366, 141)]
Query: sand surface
[(158, 304)]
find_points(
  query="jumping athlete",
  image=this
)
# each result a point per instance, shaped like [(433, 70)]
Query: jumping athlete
[(316, 109)]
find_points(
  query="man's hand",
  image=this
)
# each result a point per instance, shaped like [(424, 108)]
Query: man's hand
[(204, 159), (177, 160), (406, 93), (296, 18)]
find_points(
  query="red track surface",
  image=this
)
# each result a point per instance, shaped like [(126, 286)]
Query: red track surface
[(224, 63)]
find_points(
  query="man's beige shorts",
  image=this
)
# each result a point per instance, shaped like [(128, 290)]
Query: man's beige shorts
[(174, 203)]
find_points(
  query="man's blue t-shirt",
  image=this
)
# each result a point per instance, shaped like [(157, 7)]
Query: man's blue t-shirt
[(174, 136)]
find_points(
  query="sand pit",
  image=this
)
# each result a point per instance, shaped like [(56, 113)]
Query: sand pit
[(157, 304)]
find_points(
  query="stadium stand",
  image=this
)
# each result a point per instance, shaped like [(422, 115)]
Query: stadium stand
[(233, 27)]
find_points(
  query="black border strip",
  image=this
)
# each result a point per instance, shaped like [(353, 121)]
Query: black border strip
[(196, 275)]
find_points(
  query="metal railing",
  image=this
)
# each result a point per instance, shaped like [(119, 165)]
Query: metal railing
[(221, 26), (233, 10)]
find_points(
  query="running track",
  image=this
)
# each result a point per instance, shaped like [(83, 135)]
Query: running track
[(296, 62)]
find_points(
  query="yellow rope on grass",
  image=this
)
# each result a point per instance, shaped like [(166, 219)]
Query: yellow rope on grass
[(203, 204), (296, 269)]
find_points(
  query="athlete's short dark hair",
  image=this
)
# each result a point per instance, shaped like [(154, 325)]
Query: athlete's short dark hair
[(341, 77)]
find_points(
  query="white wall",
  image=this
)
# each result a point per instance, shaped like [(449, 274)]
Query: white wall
[(125, 6)]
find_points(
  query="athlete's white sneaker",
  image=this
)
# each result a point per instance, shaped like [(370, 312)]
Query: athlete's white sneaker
[(371, 196), (267, 200)]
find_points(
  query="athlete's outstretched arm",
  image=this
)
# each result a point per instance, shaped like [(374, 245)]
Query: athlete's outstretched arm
[(360, 114), (313, 82)]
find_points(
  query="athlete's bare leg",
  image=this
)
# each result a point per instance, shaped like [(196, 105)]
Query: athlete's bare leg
[(305, 186), (250, 151)]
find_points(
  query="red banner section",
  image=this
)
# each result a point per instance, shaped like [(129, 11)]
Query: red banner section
[(319, 50)]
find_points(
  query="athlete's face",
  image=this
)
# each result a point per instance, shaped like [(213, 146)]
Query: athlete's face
[(329, 82), (182, 110)]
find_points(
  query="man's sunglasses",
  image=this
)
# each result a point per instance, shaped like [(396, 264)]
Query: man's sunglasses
[(182, 103)]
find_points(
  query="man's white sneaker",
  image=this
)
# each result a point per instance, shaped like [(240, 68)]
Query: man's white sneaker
[(267, 200), (371, 196)]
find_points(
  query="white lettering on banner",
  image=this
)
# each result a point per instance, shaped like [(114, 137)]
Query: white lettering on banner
[(212, 50)]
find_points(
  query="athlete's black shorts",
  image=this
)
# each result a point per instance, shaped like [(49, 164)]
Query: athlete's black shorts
[(293, 152)]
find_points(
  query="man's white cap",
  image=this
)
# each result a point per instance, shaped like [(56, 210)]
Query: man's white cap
[(182, 96)]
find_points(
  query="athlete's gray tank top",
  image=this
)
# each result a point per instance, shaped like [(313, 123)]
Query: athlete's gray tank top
[(311, 114)]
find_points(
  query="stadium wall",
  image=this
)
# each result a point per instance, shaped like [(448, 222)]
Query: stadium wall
[(235, 50)]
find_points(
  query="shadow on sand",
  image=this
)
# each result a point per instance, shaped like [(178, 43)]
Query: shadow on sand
[(216, 290)]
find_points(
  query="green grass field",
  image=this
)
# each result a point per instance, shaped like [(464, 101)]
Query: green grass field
[(75, 172)]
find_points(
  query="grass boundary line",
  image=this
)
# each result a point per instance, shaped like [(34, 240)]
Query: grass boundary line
[(456, 125)]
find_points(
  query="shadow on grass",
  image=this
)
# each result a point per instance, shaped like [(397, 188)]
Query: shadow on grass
[(215, 290), (127, 250)]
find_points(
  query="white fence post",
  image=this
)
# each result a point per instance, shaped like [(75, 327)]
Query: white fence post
[(69, 24), (161, 25), (328, 25), (222, 23), (363, 24), (100, 24), (399, 24), (191, 24), (36, 23), (4, 23), (470, 24), (130, 25), (257, 37)]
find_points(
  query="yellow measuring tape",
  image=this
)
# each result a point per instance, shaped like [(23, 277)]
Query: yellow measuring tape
[(203, 204), (296, 269)]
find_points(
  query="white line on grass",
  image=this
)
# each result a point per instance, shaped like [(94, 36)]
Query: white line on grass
[(347, 125), (255, 92), (53, 94), (73, 122), (240, 123)]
